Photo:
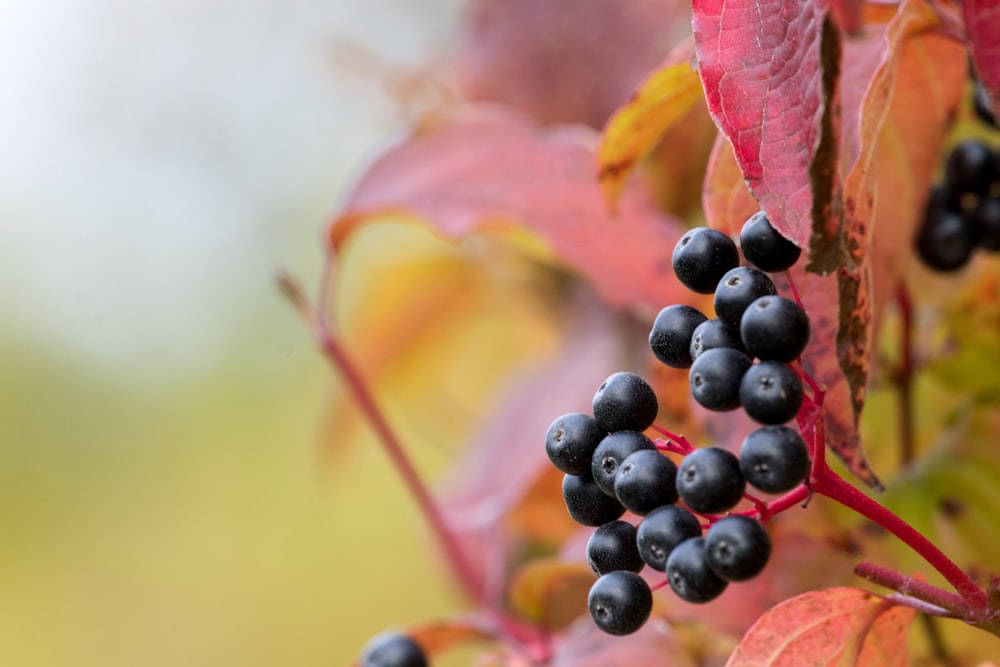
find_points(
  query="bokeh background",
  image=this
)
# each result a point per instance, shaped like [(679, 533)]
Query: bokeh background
[(162, 411)]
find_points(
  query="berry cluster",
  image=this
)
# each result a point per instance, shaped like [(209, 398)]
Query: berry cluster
[(610, 466), (963, 212)]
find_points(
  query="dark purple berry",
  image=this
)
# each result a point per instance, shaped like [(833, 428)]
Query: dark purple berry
[(709, 480), (771, 392), (661, 531), (714, 333), (645, 480), (737, 290), (945, 240), (689, 575), (702, 257), (970, 168), (391, 649), (764, 247), (774, 328), (737, 548), (715, 378), (620, 602), (587, 504), (615, 448), (670, 338), (774, 459), (570, 442), (625, 402), (986, 220), (612, 547)]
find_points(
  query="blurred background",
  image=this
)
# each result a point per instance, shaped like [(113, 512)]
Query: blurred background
[(162, 499)]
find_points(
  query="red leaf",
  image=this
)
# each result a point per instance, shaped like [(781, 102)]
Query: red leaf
[(982, 29), (836, 626), (564, 61), (480, 170), (587, 646), (760, 64)]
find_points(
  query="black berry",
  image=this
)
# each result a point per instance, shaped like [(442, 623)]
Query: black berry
[(737, 290), (709, 480), (661, 531), (774, 328), (764, 247), (645, 480), (737, 548), (715, 378), (774, 459), (614, 449), (612, 547), (986, 220), (620, 602), (946, 240), (771, 392), (970, 168), (714, 333), (391, 649), (625, 402), (587, 504), (570, 442), (689, 575), (702, 257), (670, 338)]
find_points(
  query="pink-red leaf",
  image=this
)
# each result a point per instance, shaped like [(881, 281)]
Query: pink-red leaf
[(761, 66), (480, 170), (832, 627), (982, 29), (587, 646)]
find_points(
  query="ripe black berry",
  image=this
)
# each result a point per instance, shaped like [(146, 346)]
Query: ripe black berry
[(774, 328), (946, 240), (612, 547), (620, 602), (970, 168), (646, 480), (709, 480), (737, 548), (715, 378), (986, 220), (391, 649), (764, 247), (702, 257), (587, 504), (771, 392), (570, 442), (614, 449), (661, 531), (774, 459), (714, 333), (625, 402), (670, 338), (737, 290), (689, 575)]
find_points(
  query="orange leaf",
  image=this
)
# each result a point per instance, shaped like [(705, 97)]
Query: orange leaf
[(551, 592), (828, 628), (635, 128)]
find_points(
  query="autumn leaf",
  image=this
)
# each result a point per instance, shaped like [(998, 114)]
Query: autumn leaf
[(483, 170), (827, 628), (637, 126), (761, 67), (982, 30), (587, 646), (551, 592), (562, 61)]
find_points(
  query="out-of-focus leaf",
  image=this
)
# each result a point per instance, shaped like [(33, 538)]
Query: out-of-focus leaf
[(551, 592), (635, 128), (761, 66), (982, 30), (848, 14), (484, 170), (827, 628), (562, 61), (725, 197), (587, 646)]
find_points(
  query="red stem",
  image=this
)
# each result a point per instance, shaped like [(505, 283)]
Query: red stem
[(911, 587)]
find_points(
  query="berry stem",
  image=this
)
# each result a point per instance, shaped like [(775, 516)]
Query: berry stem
[(910, 587), (679, 442), (795, 290), (672, 447)]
